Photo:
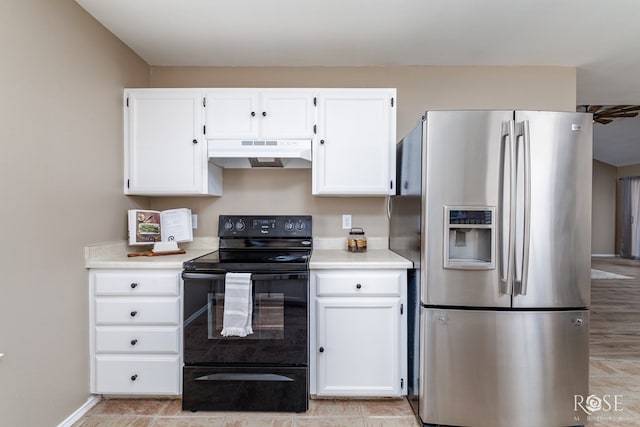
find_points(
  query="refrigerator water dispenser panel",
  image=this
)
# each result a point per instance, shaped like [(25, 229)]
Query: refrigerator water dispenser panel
[(469, 237)]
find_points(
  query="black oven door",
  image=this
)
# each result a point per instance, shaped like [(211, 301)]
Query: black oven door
[(279, 320)]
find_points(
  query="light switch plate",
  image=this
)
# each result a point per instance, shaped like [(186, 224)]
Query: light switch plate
[(346, 222), (194, 221)]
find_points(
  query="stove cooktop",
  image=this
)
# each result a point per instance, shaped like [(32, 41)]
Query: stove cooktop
[(250, 261), (258, 243)]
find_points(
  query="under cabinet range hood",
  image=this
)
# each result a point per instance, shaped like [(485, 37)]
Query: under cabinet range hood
[(239, 154)]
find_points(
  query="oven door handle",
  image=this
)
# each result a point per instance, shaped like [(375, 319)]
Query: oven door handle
[(245, 377), (254, 276)]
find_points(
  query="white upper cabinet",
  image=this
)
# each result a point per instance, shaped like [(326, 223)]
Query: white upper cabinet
[(259, 113), (167, 132), (354, 150), (165, 149)]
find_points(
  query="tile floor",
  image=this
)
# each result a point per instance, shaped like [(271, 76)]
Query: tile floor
[(608, 377), (615, 370), (321, 413)]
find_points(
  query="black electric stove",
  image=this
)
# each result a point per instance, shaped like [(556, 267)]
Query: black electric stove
[(267, 370)]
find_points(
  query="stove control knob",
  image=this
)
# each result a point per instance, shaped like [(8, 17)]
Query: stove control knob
[(228, 226), (300, 226), (288, 225), (240, 225)]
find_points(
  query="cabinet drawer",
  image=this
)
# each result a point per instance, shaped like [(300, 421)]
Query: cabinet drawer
[(364, 282), (137, 311), (133, 340), (137, 375), (135, 282)]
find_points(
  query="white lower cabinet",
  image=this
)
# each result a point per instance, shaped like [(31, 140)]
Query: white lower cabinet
[(136, 333), (151, 339), (137, 375), (358, 345)]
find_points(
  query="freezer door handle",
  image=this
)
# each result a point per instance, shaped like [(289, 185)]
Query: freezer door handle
[(507, 209)]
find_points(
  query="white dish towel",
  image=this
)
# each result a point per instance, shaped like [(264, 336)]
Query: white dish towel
[(238, 306)]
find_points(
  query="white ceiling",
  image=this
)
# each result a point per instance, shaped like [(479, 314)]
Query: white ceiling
[(600, 38)]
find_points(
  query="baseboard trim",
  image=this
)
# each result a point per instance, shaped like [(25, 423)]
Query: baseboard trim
[(604, 255), (90, 403)]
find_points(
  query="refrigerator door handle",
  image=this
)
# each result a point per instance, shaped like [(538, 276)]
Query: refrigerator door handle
[(526, 142), (506, 281)]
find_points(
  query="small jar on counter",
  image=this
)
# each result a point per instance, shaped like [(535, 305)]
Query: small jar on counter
[(357, 241)]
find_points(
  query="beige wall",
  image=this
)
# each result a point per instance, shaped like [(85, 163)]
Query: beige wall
[(61, 82), (631, 170), (603, 209), (419, 89), (606, 209)]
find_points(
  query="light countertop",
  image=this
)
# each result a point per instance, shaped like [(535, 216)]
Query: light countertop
[(327, 254), (114, 255), (372, 258)]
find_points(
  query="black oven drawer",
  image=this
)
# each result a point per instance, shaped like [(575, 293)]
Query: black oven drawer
[(245, 389)]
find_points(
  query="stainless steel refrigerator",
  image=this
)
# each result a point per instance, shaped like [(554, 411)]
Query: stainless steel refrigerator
[(494, 210)]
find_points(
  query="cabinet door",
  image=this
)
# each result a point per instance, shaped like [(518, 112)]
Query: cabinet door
[(134, 282), (259, 114), (358, 347), (137, 311), (137, 375), (165, 152), (136, 340), (287, 114), (232, 113), (354, 152)]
